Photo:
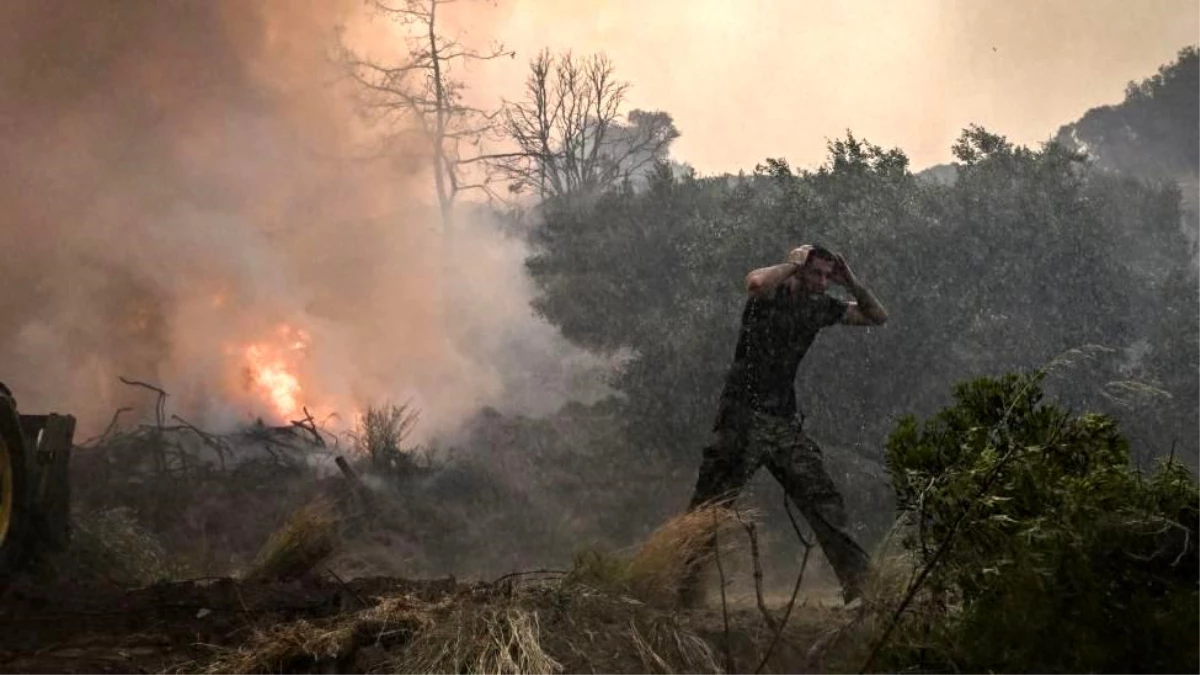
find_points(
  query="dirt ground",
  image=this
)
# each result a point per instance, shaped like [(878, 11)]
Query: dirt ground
[(201, 625), (93, 610), (171, 626)]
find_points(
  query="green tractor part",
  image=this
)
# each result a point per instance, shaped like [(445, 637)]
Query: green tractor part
[(35, 498)]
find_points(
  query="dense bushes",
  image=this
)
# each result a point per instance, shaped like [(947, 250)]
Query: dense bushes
[(1049, 551)]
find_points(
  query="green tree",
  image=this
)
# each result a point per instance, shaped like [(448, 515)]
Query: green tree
[(1039, 533), (1152, 133), (1027, 254)]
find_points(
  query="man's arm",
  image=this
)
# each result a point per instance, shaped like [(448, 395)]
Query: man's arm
[(866, 310), (764, 280)]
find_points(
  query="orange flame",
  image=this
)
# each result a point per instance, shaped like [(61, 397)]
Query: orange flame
[(271, 369)]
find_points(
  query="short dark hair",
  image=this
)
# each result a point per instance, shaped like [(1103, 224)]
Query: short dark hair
[(822, 253)]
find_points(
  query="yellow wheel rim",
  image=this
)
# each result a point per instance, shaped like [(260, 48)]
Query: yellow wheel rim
[(6, 490)]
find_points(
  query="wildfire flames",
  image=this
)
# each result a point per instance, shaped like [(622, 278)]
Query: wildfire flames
[(271, 370)]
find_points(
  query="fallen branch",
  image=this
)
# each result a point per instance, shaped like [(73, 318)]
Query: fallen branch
[(310, 425), (356, 484), (215, 442), (525, 573)]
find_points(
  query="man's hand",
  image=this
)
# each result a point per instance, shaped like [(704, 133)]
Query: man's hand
[(842, 275), (766, 279), (799, 255), (866, 310)]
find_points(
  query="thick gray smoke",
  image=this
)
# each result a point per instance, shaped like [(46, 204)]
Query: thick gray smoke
[(176, 212)]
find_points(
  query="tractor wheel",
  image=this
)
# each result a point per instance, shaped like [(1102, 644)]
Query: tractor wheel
[(13, 515)]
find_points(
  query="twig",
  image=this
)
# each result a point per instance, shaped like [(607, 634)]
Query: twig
[(346, 586), (724, 602), (752, 533), (512, 575), (988, 481), (160, 405), (787, 613), (109, 429), (216, 443), (309, 424)]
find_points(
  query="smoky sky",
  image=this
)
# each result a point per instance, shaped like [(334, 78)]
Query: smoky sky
[(770, 78), (180, 180)]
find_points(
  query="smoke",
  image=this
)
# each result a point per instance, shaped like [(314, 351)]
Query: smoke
[(177, 190), (750, 80)]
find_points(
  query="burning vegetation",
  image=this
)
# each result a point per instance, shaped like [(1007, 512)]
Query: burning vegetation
[(334, 415)]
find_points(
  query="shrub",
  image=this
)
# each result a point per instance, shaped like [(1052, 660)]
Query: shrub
[(1061, 557)]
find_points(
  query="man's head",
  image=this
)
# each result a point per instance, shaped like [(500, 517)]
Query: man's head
[(818, 268)]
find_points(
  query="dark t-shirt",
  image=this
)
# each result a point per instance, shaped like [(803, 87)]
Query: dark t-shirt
[(776, 332)]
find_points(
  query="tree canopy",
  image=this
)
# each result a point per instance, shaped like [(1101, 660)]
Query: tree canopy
[(1026, 255)]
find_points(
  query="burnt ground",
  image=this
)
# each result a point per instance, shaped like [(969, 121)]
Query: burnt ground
[(227, 625), (96, 610), (65, 628)]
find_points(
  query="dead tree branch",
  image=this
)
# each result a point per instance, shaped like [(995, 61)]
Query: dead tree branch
[(159, 406), (569, 131), (422, 93), (756, 559), (310, 425), (112, 425)]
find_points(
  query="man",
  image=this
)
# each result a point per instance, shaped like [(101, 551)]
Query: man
[(758, 423)]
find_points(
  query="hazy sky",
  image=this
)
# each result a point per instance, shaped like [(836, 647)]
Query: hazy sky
[(749, 79)]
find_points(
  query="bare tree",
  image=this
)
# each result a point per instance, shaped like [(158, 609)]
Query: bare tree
[(421, 97), (568, 130)]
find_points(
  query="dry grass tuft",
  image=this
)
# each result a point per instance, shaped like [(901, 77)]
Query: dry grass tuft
[(658, 568), (680, 547), (480, 640), (601, 570), (308, 537), (288, 647), (300, 645), (667, 647)]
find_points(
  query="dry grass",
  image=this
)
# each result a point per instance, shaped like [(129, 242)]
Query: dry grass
[(845, 647), (656, 571), (286, 648), (537, 627), (665, 646), (111, 545), (480, 640), (299, 645), (610, 614), (308, 537), (554, 627)]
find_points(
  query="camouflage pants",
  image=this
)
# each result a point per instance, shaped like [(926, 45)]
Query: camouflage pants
[(780, 444)]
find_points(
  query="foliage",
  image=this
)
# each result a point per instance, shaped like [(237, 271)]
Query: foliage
[(380, 437), (1025, 254), (307, 538), (1056, 539), (567, 130), (1153, 132), (423, 97)]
